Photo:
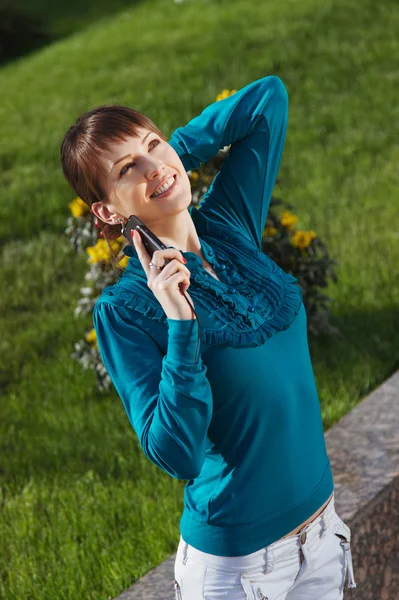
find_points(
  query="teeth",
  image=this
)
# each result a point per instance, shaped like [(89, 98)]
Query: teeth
[(164, 187)]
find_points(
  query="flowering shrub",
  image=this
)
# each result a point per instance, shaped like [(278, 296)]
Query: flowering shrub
[(304, 255), (298, 252)]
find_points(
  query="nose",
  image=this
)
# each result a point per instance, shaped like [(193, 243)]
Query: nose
[(156, 172)]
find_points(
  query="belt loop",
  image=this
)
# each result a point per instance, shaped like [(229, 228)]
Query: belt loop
[(328, 515), (269, 560), (349, 565), (324, 524), (184, 554)]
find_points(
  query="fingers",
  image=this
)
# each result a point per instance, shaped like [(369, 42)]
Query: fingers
[(159, 257), (141, 251)]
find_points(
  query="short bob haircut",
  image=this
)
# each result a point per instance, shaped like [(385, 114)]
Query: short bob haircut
[(83, 144)]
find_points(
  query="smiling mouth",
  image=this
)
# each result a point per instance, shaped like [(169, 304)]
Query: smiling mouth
[(168, 191)]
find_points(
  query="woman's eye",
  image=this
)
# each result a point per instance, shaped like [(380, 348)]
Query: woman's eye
[(128, 165), (125, 168)]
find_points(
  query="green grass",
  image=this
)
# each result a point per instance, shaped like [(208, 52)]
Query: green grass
[(84, 512)]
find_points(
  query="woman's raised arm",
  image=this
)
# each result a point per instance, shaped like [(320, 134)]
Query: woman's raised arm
[(254, 121)]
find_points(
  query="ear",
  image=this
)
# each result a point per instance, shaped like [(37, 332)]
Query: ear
[(103, 213)]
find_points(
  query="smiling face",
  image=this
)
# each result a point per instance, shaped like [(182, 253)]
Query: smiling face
[(135, 169)]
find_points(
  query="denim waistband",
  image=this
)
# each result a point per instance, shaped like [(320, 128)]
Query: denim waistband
[(269, 554)]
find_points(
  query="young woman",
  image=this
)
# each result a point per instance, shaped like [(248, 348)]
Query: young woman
[(240, 418)]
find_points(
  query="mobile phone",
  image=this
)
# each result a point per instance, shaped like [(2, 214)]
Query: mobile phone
[(150, 240)]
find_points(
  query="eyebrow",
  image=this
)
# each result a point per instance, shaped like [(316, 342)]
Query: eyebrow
[(127, 155)]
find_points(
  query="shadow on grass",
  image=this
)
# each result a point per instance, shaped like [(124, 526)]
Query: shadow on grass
[(28, 27)]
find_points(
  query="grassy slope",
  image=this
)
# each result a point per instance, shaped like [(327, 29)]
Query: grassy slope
[(84, 513)]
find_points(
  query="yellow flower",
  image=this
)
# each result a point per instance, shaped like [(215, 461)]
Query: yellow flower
[(194, 175), (269, 231), (91, 337), (123, 262), (99, 252), (78, 207), (288, 220), (302, 239), (116, 245), (225, 94)]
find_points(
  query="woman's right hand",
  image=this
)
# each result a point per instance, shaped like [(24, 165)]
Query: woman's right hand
[(165, 284)]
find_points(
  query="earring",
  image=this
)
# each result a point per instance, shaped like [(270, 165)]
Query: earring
[(121, 221)]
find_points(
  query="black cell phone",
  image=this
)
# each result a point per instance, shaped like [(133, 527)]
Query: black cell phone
[(150, 240)]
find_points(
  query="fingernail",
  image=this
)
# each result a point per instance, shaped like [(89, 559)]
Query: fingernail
[(184, 259), (132, 233)]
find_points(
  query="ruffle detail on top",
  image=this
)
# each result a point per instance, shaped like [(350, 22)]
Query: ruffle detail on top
[(274, 295), (238, 326), (133, 296), (266, 298)]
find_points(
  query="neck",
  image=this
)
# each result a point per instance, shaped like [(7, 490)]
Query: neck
[(180, 233)]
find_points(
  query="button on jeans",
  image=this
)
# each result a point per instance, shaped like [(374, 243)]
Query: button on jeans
[(311, 565)]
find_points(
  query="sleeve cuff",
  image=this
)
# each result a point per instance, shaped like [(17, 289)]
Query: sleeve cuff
[(183, 340)]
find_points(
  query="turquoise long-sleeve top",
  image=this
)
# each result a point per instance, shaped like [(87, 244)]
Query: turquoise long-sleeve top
[(242, 424)]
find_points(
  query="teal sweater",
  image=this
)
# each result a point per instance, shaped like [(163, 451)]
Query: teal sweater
[(243, 424)]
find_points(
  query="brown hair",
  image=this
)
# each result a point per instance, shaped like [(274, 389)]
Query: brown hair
[(80, 149)]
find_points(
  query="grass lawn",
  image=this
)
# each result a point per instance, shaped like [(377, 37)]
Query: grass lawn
[(83, 512)]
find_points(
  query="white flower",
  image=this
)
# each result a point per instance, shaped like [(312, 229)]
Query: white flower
[(86, 291)]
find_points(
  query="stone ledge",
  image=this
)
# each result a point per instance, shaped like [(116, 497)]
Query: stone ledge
[(364, 453)]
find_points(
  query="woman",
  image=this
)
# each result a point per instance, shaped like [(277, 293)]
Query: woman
[(240, 421)]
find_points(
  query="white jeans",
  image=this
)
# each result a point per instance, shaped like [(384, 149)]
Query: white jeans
[(311, 565)]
